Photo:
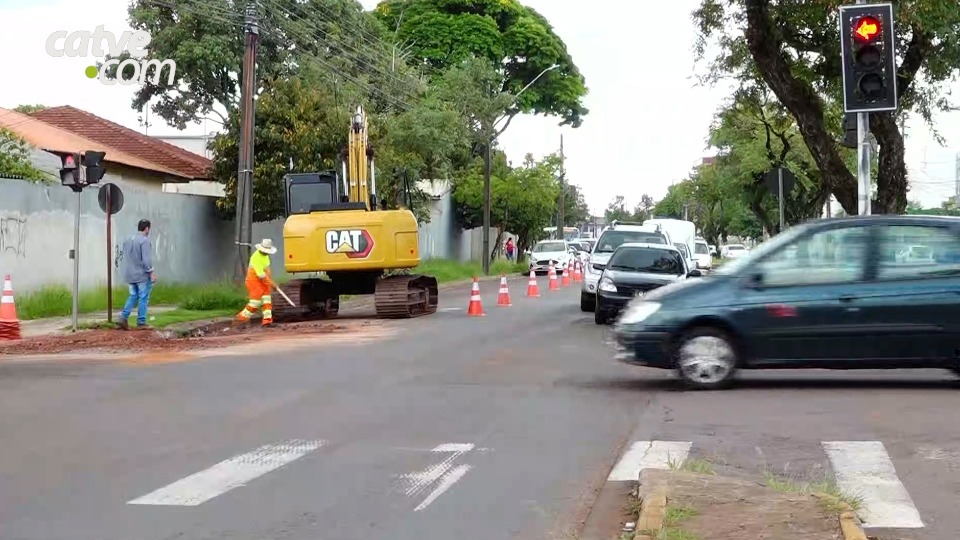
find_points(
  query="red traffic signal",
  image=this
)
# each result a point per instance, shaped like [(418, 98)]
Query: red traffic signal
[(866, 29), (68, 162)]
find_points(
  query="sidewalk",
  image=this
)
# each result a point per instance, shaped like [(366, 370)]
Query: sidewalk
[(61, 325)]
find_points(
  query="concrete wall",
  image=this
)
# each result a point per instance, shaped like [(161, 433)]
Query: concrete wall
[(37, 231)]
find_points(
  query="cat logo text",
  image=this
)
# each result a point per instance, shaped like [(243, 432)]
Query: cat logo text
[(354, 243)]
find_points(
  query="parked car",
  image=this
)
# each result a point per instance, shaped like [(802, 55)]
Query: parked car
[(829, 294), (733, 251), (634, 270), (702, 254), (546, 252)]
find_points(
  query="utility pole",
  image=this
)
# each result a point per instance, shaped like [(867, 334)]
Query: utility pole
[(486, 199), (561, 217), (245, 165)]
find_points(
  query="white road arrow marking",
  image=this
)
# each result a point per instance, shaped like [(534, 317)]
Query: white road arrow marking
[(444, 474)]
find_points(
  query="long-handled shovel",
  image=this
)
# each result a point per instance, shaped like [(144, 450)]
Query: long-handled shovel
[(284, 295)]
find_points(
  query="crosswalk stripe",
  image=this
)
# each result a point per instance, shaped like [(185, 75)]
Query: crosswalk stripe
[(229, 474), (864, 469), (648, 455)]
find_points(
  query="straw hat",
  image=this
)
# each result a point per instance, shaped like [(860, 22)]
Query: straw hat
[(266, 246)]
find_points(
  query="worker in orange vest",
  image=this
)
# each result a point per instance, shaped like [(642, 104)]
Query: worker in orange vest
[(259, 283)]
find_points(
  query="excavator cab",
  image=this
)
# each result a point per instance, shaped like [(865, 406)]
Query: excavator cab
[(335, 228)]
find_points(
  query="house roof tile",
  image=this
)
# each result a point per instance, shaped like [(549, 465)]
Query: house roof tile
[(55, 139), (186, 164)]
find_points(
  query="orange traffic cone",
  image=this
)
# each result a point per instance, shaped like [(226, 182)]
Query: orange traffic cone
[(9, 323), (554, 284), (533, 291), (567, 275), (475, 309), (577, 273), (503, 300)]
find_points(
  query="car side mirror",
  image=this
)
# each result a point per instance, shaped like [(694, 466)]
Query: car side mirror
[(599, 267), (695, 273)]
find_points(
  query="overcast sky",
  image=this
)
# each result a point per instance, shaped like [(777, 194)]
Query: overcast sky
[(645, 131)]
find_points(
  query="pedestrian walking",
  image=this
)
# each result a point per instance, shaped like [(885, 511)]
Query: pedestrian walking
[(259, 282), (139, 275), (510, 249)]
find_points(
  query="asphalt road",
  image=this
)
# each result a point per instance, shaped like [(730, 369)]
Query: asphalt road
[(516, 425), (501, 427)]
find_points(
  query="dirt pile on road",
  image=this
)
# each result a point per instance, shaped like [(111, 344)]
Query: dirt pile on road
[(705, 506), (210, 336)]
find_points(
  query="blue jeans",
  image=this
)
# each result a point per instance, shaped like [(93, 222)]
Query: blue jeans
[(139, 296)]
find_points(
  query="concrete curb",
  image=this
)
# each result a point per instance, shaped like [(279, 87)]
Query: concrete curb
[(653, 509), (850, 524)]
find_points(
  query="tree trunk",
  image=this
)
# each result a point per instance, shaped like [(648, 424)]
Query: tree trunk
[(892, 169), (496, 244), (800, 99)]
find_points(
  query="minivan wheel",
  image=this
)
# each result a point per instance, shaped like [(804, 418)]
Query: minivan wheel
[(600, 317), (587, 303), (706, 358)]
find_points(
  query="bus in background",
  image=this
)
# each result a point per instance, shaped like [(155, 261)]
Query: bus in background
[(569, 233)]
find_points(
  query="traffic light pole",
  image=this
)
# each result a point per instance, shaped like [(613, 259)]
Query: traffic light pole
[(863, 159), (863, 164), (76, 261)]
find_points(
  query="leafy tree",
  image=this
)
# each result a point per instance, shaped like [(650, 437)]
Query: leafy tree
[(296, 120), (15, 158), (755, 136), (27, 109), (644, 209), (793, 48), (617, 210), (523, 198), (205, 39), (444, 33), (576, 211)]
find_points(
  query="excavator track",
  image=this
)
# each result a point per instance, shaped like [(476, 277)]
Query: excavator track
[(406, 296), (299, 291)]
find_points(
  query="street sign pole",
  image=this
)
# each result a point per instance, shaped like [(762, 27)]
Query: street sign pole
[(109, 261), (76, 259), (780, 197)]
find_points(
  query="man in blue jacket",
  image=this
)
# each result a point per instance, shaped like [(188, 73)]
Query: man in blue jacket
[(138, 273)]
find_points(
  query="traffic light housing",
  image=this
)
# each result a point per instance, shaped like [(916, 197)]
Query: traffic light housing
[(868, 51), (70, 170), (93, 162), (850, 139)]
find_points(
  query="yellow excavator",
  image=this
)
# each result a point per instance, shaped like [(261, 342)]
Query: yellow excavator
[(337, 229)]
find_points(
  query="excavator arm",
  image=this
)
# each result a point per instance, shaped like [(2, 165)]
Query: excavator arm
[(359, 172)]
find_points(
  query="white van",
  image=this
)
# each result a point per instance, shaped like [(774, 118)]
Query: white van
[(680, 232)]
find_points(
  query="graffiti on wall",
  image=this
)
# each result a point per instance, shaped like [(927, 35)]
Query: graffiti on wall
[(13, 236), (117, 255)]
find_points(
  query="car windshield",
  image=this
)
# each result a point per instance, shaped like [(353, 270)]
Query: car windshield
[(746, 261), (649, 260), (611, 240), (702, 249), (735, 247), (549, 247)]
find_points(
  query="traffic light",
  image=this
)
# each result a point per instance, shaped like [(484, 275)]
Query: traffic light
[(850, 139), (70, 171), (869, 58), (93, 162)]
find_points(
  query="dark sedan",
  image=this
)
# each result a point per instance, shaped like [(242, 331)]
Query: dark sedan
[(844, 293), (632, 271)]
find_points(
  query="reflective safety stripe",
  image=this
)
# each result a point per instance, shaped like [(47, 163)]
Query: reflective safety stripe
[(254, 303), (244, 315), (266, 299)]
